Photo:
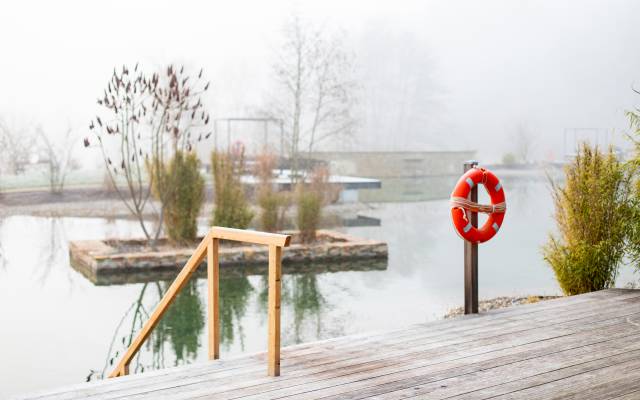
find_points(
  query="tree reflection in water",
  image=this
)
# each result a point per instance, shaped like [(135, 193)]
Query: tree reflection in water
[(52, 251), (234, 298), (181, 326), (183, 323), (3, 260), (301, 294)]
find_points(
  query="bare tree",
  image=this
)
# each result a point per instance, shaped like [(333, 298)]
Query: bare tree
[(524, 143), (15, 147), (146, 119), (400, 102), (59, 157), (316, 90)]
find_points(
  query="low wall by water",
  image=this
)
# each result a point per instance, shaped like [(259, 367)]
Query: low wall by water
[(395, 164), (108, 261)]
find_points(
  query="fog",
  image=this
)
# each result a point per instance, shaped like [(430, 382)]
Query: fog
[(433, 75)]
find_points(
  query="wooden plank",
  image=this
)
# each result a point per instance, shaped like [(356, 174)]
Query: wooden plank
[(453, 345), (496, 373), (412, 379), (212, 387), (213, 285), (207, 382), (582, 382), (513, 387), (503, 349), (500, 327), (452, 367), (275, 286), (241, 235), (634, 395)]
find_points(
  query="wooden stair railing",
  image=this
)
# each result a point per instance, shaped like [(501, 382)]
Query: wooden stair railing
[(209, 248)]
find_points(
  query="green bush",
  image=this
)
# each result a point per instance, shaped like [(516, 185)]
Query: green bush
[(231, 208), (273, 204), (309, 208), (273, 207), (633, 231), (592, 211), (184, 197), (509, 159), (309, 201)]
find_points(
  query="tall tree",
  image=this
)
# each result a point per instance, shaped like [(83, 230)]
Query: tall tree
[(315, 88), (59, 156), (400, 103), (16, 144)]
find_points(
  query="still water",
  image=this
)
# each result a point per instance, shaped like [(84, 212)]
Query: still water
[(58, 328)]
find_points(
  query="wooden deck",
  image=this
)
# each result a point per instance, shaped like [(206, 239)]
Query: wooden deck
[(581, 347)]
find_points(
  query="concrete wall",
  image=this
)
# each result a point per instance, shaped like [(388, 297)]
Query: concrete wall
[(393, 164)]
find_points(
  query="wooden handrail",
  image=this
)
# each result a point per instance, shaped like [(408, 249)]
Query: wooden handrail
[(242, 235), (209, 247)]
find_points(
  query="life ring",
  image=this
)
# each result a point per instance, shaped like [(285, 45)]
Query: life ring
[(460, 205)]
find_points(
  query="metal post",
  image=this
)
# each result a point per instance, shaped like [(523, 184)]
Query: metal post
[(471, 256), (266, 135)]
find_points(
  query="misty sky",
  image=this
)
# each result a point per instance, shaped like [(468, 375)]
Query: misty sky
[(478, 69)]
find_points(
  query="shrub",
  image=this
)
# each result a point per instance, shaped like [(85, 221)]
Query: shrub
[(231, 208), (509, 159), (592, 210), (273, 207), (633, 231), (273, 204), (143, 120), (309, 201), (184, 198)]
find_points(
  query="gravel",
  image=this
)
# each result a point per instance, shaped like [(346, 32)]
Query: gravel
[(499, 302)]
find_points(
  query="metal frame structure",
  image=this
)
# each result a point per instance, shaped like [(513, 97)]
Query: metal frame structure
[(265, 121)]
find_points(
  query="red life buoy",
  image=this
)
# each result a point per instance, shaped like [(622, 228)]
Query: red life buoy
[(461, 206)]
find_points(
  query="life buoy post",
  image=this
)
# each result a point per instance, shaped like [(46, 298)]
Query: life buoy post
[(464, 215), (471, 255)]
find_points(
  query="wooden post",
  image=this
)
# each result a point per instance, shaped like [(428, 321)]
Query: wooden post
[(213, 283), (275, 274), (471, 256)]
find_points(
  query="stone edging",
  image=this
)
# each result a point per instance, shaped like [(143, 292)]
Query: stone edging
[(98, 258)]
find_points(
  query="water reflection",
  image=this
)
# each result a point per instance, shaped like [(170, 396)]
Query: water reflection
[(3, 258), (181, 327), (235, 294), (302, 295), (182, 324), (308, 302), (52, 252), (178, 337)]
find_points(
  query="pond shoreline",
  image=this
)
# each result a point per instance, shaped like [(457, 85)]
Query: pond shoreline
[(499, 302), (87, 202), (100, 259)]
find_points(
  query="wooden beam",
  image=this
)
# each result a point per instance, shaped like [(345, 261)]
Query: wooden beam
[(190, 267), (213, 283), (240, 235), (275, 285)]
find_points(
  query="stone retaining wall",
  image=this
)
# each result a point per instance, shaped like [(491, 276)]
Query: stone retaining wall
[(101, 260)]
